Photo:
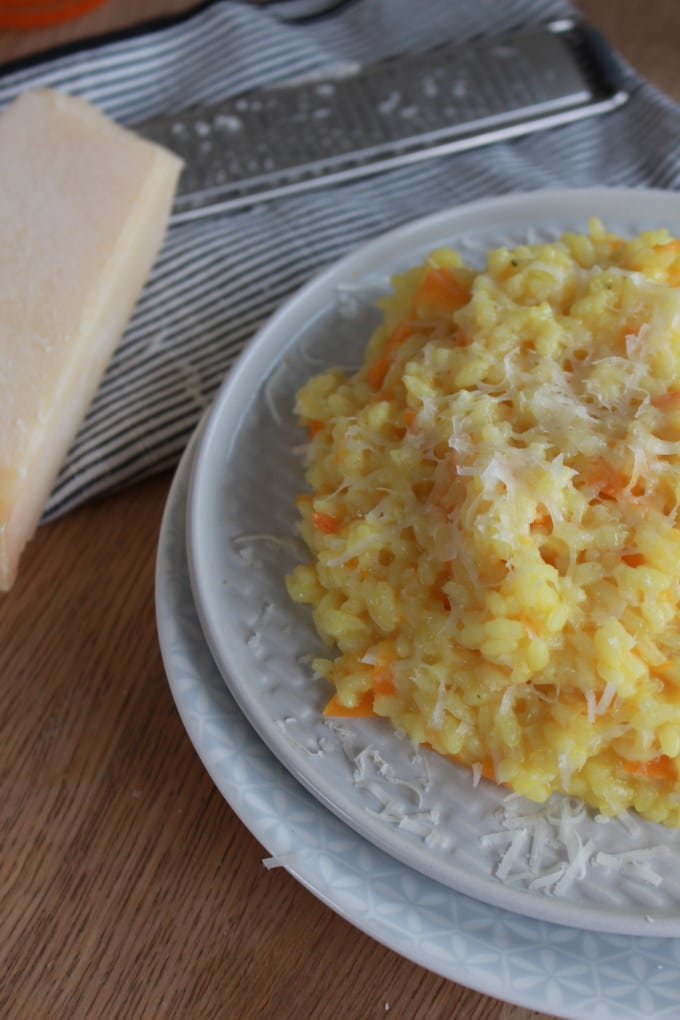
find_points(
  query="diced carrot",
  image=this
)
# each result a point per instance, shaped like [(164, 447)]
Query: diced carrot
[(633, 559), (314, 427), (608, 481), (397, 337), (409, 417), (542, 519), (488, 770), (672, 246), (661, 767), (325, 522), (362, 710), (673, 269), (440, 293), (378, 370)]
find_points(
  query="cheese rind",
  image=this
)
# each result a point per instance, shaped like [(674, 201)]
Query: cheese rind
[(84, 205)]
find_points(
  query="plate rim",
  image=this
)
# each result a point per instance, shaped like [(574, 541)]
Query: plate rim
[(238, 390), (505, 982)]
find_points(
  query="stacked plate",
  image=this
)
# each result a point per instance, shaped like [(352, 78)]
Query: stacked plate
[(543, 906)]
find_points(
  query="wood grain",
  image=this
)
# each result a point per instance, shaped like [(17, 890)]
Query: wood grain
[(128, 886)]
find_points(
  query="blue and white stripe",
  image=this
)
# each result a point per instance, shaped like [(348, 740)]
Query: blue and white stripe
[(218, 279)]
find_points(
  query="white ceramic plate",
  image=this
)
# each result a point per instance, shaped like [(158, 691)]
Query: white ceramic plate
[(558, 970), (241, 536)]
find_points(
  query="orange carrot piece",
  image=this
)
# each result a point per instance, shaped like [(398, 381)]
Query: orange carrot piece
[(661, 767), (362, 710), (314, 426), (543, 519), (672, 246), (378, 370), (325, 522), (673, 269), (383, 684), (608, 481), (440, 293), (633, 559)]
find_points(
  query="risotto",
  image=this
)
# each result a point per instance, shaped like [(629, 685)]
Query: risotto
[(493, 518)]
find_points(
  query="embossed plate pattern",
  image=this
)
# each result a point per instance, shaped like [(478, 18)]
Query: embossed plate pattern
[(241, 540), (558, 970)]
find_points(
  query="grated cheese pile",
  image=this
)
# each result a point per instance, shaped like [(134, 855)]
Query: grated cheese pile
[(493, 518)]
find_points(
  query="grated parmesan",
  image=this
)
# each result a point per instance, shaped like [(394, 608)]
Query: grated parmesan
[(493, 527)]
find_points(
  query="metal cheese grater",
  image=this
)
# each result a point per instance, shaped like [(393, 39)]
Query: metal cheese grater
[(356, 120)]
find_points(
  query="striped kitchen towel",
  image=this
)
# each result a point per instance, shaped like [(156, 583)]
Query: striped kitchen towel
[(218, 279)]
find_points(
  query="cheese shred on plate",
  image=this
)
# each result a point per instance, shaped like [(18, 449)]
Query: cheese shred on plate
[(493, 518)]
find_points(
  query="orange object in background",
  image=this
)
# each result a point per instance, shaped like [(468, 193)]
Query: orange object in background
[(36, 14)]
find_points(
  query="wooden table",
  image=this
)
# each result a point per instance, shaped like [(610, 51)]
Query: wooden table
[(128, 886)]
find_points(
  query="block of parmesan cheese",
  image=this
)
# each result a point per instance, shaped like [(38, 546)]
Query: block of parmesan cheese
[(84, 205)]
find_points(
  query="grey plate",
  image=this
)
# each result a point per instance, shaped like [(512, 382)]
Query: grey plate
[(241, 540)]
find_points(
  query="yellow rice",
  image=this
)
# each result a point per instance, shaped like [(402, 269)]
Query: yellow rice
[(495, 550)]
